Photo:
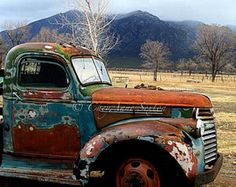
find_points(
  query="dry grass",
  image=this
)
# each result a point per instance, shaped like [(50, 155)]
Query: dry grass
[(223, 95)]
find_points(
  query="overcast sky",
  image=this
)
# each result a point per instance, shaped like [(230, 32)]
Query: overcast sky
[(208, 11)]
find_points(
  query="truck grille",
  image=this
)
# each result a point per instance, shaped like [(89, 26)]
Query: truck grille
[(209, 136)]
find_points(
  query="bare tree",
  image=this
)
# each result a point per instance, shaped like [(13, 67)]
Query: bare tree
[(216, 45), (155, 55), (3, 51), (229, 68), (16, 32), (187, 65), (90, 26), (50, 35)]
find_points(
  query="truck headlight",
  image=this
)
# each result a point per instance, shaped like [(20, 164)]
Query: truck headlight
[(200, 128)]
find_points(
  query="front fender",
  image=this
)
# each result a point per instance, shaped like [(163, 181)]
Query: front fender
[(168, 137)]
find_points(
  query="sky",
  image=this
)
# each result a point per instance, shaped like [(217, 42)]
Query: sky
[(208, 11)]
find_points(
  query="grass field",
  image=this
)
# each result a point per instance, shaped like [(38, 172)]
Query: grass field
[(223, 95)]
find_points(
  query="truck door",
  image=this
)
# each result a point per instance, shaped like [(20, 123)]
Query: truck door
[(45, 124)]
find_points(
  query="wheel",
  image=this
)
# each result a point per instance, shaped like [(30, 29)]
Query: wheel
[(137, 172), (138, 168)]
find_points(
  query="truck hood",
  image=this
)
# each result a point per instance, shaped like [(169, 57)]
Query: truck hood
[(125, 96)]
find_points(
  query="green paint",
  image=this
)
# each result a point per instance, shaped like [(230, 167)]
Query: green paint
[(88, 90)]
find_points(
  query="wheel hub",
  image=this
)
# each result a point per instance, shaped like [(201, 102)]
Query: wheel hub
[(137, 173)]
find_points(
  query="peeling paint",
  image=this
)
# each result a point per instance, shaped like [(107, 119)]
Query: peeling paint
[(90, 148), (146, 138), (156, 132), (32, 113), (181, 153)]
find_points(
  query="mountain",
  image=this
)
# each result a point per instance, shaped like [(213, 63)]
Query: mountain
[(233, 28), (189, 26), (137, 27), (133, 30)]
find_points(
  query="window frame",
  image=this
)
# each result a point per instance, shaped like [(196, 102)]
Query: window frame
[(91, 83), (57, 62)]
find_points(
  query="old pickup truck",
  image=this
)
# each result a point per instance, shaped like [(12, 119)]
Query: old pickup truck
[(63, 122)]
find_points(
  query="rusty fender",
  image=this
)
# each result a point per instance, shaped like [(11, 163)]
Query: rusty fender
[(162, 134)]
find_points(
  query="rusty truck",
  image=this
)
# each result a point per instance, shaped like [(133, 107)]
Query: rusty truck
[(63, 122)]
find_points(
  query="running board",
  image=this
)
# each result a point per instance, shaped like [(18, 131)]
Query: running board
[(53, 176)]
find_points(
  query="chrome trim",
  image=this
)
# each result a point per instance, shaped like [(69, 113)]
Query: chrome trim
[(209, 138)]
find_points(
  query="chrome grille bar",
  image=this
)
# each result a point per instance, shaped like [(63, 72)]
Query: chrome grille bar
[(210, 132), (210, 146), (209, 136)]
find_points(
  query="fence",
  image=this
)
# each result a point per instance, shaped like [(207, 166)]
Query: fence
[(145, 75)]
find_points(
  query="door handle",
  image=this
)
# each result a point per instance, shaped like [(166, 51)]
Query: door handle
[(17, 96)]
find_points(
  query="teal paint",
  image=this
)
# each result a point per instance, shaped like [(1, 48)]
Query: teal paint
[(198, 149), (182, 112), (87, 123), (44, 116), (7, 126)]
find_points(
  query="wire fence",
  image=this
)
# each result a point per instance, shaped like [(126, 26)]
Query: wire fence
[(195, 77)]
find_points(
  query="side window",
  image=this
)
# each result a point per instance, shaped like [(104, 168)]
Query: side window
[(41, 73)]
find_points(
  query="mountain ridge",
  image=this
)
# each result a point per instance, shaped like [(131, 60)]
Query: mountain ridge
[(134, 29)]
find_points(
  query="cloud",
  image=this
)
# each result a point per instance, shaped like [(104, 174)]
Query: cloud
[(30, 10), (209, 11)]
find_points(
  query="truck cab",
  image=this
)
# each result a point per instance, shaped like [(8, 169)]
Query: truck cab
[(63, 122)]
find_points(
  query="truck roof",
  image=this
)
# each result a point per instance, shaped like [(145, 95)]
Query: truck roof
[(65, 50), (55, 50)]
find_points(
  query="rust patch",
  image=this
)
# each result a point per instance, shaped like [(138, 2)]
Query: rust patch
[(104, 118), (160, 132), (187, 124), (72, 50), (46, 94), (53, 47), (61, 141), (149, 97)]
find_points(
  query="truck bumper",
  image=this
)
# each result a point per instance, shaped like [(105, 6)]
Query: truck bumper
[(209, 175)]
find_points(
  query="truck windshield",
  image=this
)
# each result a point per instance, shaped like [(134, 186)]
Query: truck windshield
[(90, 71)]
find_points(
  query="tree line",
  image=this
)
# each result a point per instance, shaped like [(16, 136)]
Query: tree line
[(214, 47)]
